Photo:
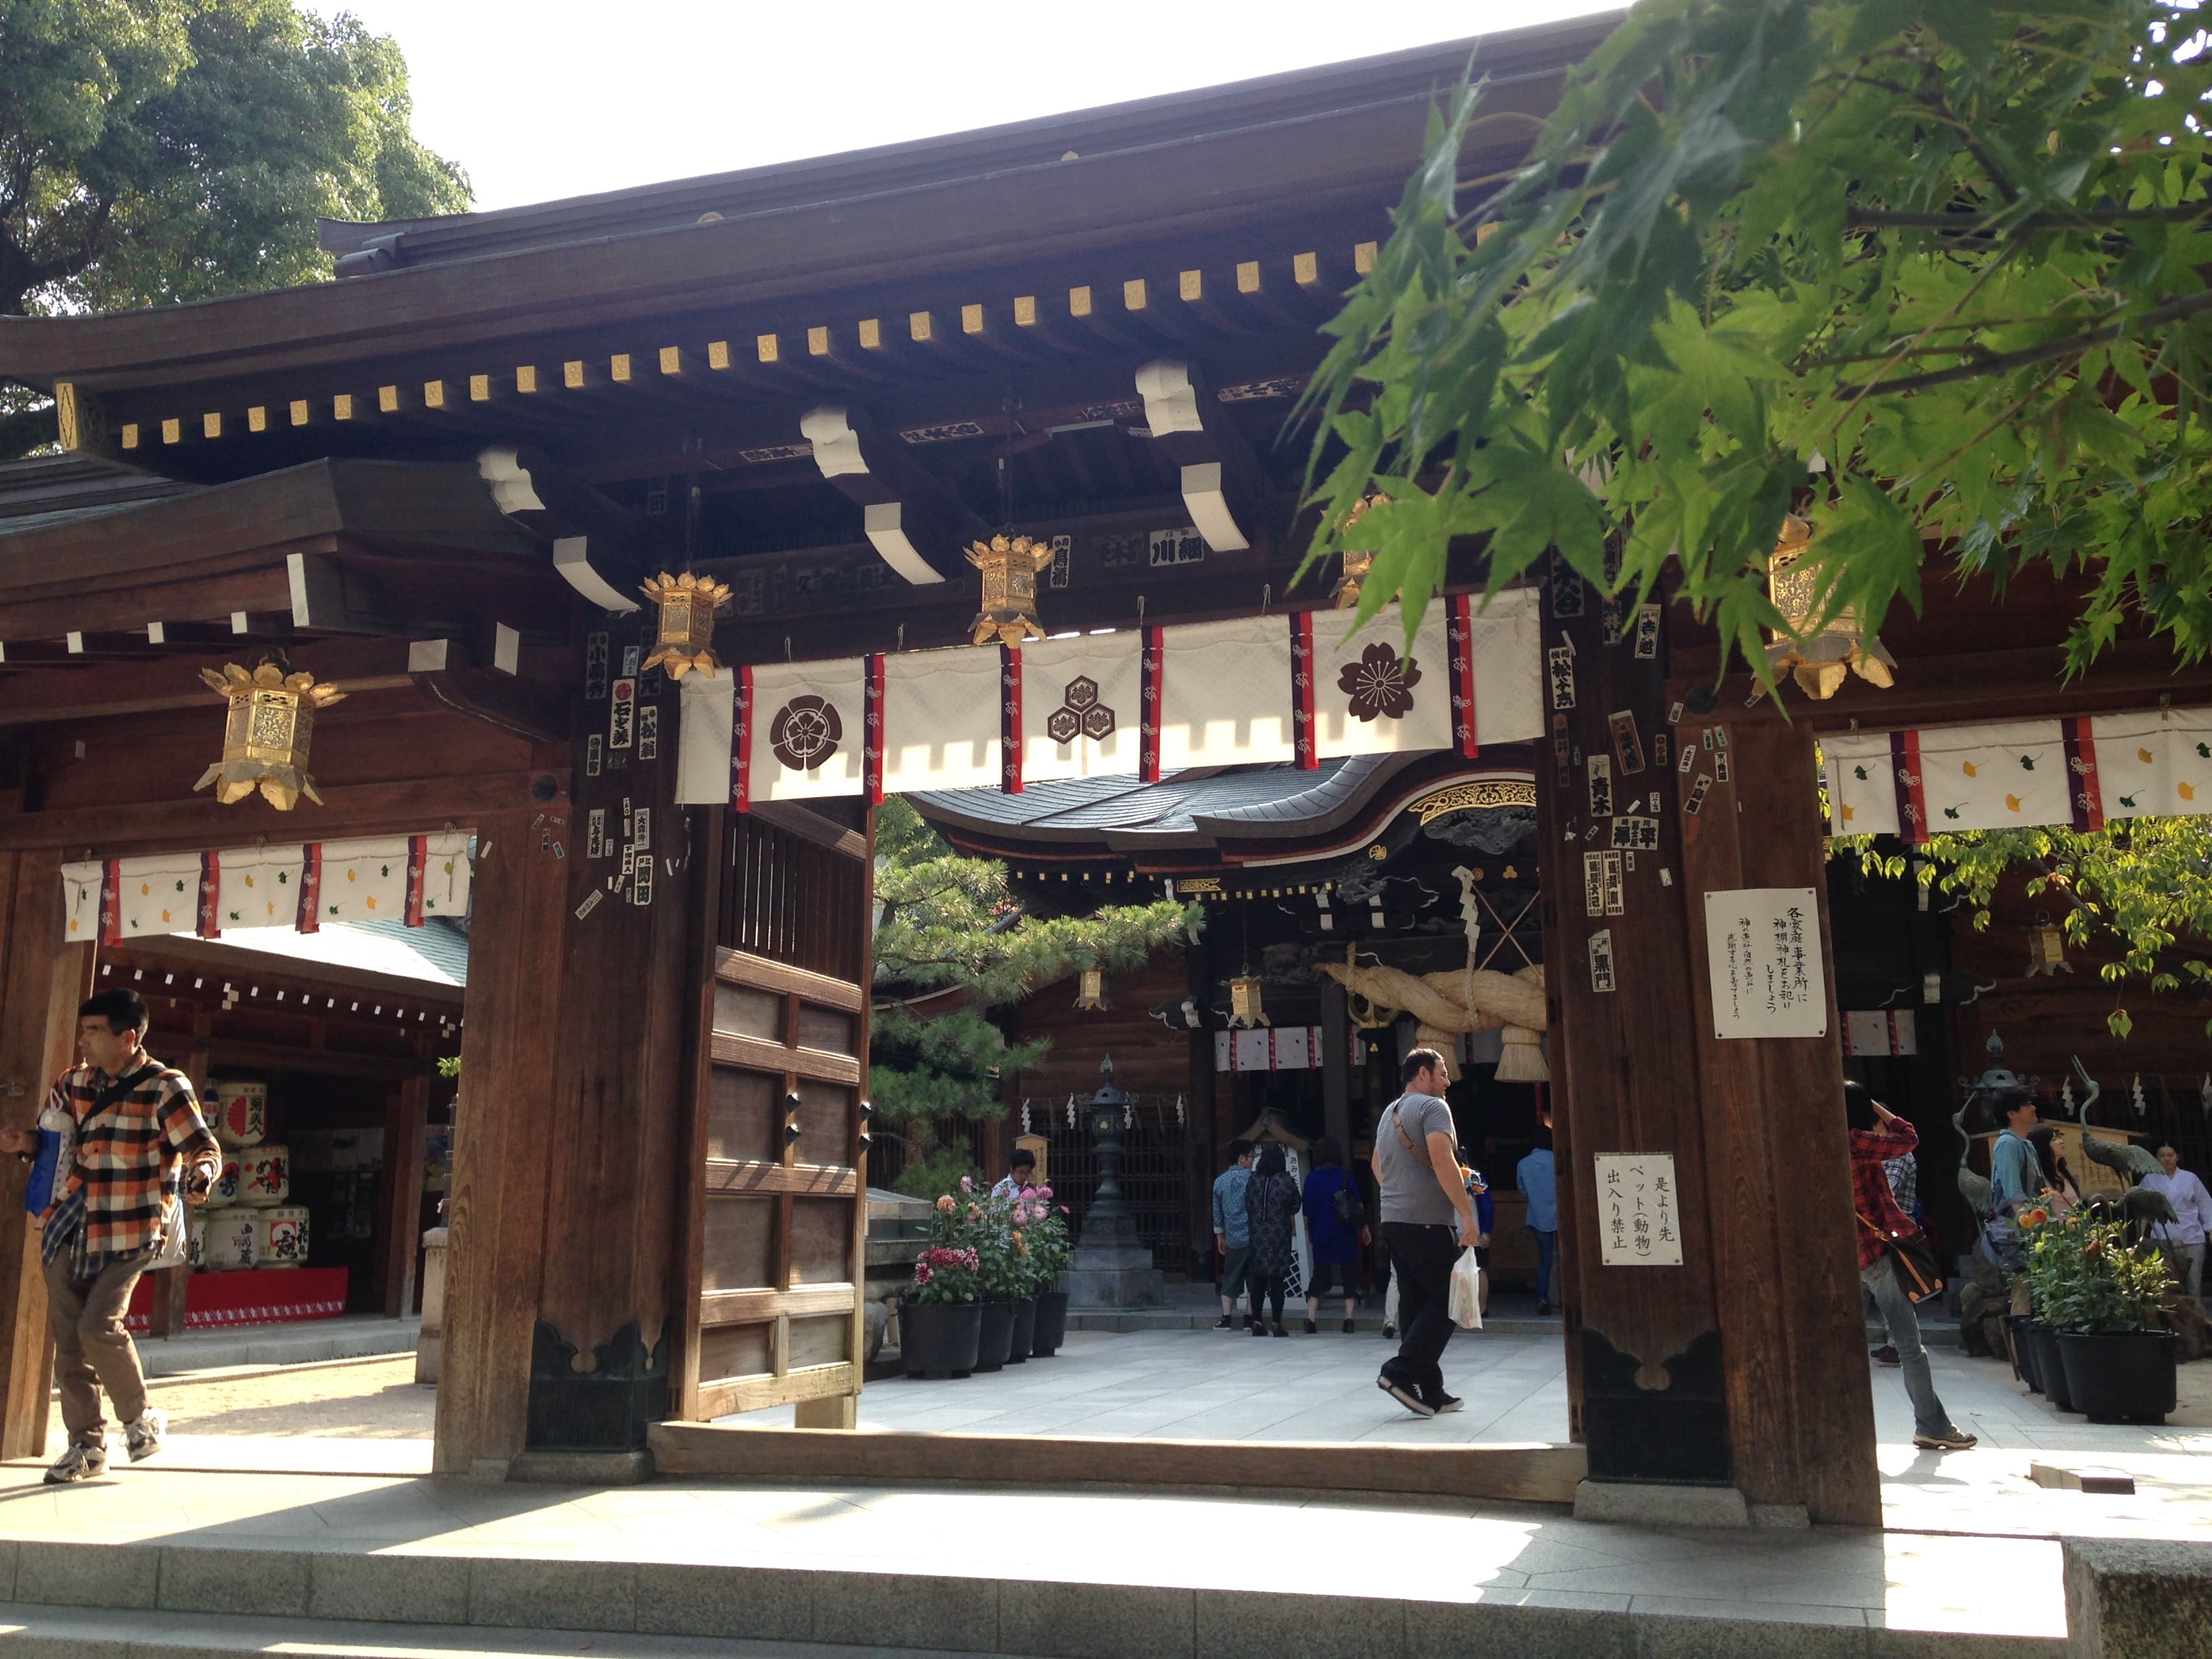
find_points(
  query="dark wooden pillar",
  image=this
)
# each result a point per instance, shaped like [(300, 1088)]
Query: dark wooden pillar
[(1801, 1409), (406, 1119), (43, 977), (1624, 1051), (502, 1149), (1336, 1067)]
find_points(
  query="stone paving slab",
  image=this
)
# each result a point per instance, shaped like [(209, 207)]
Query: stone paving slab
[(1013, 1569)]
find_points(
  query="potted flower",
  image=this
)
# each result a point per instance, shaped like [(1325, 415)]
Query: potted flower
[(1006, 1272), (2100, 1293), (941, 1317), (1047, 1242), (2045, 1245)]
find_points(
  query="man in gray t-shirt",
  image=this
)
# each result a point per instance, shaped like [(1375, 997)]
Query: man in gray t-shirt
[(1427, 1219)]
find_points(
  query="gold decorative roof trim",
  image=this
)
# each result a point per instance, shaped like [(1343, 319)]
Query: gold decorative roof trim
[(1480, 792)]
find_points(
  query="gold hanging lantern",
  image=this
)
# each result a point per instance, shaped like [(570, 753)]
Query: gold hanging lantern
[(1009, 565), (2046, 949), (688, 605), (1819, 661), (1091, 989), (265, 742), (1358, 561), (1244, 1008)]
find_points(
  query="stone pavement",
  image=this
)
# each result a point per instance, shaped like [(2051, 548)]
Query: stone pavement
[(1013, 1569)]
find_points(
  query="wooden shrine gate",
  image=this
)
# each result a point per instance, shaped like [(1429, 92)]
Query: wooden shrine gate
[(777, 1217)]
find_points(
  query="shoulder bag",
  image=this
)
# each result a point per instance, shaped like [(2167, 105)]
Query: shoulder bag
[(1916, 1262)]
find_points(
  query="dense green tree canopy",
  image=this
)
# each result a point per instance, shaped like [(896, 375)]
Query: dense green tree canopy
[(1932, 271), (155, 150)]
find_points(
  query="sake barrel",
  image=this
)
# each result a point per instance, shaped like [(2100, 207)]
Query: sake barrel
[(232, 1235), (280, 1236), (224, 1191), (239, 1112), (264, 1175), (195, 1232)]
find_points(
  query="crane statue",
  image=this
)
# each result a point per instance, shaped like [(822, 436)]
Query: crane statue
[(2123, 1157)]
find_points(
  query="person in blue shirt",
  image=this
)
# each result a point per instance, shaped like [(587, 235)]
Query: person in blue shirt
[(1537, 1179), (1232, 1230), (1334, 1226), (2016, 1173)]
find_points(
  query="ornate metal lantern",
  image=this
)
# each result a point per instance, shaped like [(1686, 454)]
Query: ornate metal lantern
[(1245, 1011), (1091, 989), (688, 605), (1108, 1117), (1817, 662), (1009, 565), (265, 741), (2046, 949), (1358, 561)]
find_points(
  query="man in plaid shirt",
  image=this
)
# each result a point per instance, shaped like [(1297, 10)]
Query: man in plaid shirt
[(1878, 1135), (141, 1149)]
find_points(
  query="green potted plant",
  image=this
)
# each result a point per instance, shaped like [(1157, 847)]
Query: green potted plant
[(1048, 1240), (1006, 1272), (2100, 1293), (941, 1317)]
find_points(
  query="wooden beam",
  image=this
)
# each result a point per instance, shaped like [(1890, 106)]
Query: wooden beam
[(916, 524), (32, 699), (1220, 476), (527, 709), (406, 1122), (348, 809)]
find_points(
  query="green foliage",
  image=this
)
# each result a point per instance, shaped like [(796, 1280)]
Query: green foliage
[(950, 1268), (951, 922), (2087, 1274), (2139, 889), (449, 1066), (938, 1172), (160, 150), (1957, 252), (1047, 1238)]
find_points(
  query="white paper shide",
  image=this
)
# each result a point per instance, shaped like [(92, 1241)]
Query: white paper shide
[(1639, 1219), (1763, 957)]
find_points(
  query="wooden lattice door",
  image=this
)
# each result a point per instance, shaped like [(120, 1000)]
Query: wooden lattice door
[(778, 1223)]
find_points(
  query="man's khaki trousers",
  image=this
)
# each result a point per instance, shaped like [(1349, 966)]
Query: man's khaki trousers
[(91, 1351)]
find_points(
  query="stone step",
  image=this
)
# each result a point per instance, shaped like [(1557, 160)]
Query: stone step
[(89, 1600), (42, 1632)]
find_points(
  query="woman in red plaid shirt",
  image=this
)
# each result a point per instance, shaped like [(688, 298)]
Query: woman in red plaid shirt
[(139, 1151), (1878, 1134)]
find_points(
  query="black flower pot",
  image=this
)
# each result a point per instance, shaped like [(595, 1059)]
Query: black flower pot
[(938, 1339), (998, 1336), (2120, 1376), (1051, 1323), (1018, 1346), (2043, 1343), (2023, 1351)]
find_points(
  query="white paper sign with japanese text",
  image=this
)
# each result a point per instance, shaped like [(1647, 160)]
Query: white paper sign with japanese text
[(1639, 1219), (1763, 957)]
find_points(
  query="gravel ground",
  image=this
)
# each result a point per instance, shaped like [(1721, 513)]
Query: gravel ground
[(375, 1400)]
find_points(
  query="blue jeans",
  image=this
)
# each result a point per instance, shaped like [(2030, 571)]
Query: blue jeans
[(1548, 1250), (1929, 1416)]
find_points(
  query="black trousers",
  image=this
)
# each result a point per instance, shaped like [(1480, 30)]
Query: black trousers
[(1268, 1287), (1422, 1257)]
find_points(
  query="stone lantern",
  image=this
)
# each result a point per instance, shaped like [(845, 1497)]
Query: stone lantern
[(1110, 1267)]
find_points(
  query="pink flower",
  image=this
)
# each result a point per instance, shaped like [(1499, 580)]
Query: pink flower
[(967, 1184), (921, 1272), (945, 1202), (1041, 1192)]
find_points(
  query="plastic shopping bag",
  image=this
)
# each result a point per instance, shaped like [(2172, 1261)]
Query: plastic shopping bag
[(1466, 1300), (56, 1157)]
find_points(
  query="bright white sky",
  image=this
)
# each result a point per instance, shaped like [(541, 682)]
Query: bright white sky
[(543, 99)]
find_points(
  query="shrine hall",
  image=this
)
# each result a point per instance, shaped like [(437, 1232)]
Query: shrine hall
[(590, 573)]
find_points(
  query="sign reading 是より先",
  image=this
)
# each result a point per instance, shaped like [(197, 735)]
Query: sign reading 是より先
[(1763, 960), (1639, 1222)]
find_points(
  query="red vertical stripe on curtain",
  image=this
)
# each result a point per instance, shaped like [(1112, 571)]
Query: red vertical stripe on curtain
[(871, 741), (1460, 632), (1010, 719), (1154, 666), (1301, 689), (741, 745)]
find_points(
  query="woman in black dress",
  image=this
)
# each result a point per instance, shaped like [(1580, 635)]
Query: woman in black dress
[(1271, 1201)]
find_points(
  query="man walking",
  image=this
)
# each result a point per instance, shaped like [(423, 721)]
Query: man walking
[(1232, 1230), (2193, 1217), (140, 1146), (1878, 1135), (1427, 1219), (1537, 1177)]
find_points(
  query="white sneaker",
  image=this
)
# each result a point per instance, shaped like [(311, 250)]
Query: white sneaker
[(145, 1436), (78, 1463)]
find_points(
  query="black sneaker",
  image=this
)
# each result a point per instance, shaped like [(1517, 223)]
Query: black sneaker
[(1405, 1395), (1440, 1402), (1225, 1323), (1886, 1356)]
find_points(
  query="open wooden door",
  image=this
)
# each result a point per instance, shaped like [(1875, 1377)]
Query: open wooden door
[(778, 1217)]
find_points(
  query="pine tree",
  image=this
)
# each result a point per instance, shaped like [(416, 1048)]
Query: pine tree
[(950, 923)]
